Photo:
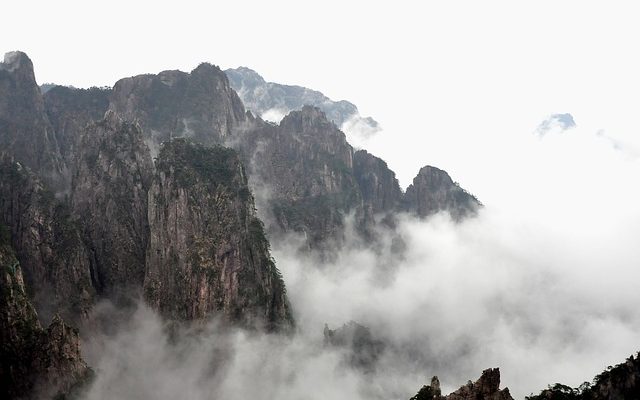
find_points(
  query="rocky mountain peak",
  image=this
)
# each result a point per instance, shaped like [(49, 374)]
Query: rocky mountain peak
[(244, 76), (208, 254), (17, 62), (433, 191), (433, 177), (309, 118), (18, 87)]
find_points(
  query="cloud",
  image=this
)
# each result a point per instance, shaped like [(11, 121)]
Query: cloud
[(627, 148), (556, 123), (360, 130)]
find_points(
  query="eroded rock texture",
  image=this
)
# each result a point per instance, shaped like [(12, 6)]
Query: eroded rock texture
[(34, 362), (47, 241), (433, 191), (109, 196), (207, 251)]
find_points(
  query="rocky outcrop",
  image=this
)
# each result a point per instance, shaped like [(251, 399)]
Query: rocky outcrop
[(364, 350), (433, 191), (25, 131), (306, 166), (616, 383), (47, 242), (207, 253), (34, 362), (109, 196), (199, 105), (380, 189), (70, 110), (273, 101), (485, 388)]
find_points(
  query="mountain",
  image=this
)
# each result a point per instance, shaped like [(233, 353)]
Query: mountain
[(34, 362), (157, 190), (306, 176), (110, 184), (207, 249), (69, 111), (433, 191), (48, 243), (200, 105), (272, 101), (24, 126), (95, 236)]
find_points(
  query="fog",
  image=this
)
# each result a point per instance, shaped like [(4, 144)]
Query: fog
[(542, 283)]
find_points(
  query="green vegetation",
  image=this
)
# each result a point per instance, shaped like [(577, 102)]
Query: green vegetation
[(193, 163)]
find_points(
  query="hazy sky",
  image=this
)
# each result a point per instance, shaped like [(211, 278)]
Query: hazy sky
[(452, 83)]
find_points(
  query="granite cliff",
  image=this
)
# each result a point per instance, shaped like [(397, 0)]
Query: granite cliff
[(34, 362), (111, 178), (207, 250)]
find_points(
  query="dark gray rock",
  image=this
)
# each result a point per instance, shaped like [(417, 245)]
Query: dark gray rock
[(207, 254), (433, 191)]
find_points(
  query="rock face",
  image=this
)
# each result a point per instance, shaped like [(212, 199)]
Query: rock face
[(616, 383), (273, 101), (485, 388), (47, 242), (306, 176), (70, 110), (34, 362), (380, 189), (433, 190), (306, 165), (200, 105), (109, 195), (24, 127), (207, 251)]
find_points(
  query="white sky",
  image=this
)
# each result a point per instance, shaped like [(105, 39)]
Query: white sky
[(454, 83)]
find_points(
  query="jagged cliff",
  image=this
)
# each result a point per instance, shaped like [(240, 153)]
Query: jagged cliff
[(48, 244), (207, 252), (303, 170), (433, 190), (24, 126), (111, 179), (199, 105), (306, 176), (34, 362), (487, 387), (70, 110)]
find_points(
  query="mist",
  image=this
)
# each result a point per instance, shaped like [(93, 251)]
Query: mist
[(542, 283)]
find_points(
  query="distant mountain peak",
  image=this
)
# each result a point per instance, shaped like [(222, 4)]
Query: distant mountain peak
[(272, 101)]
